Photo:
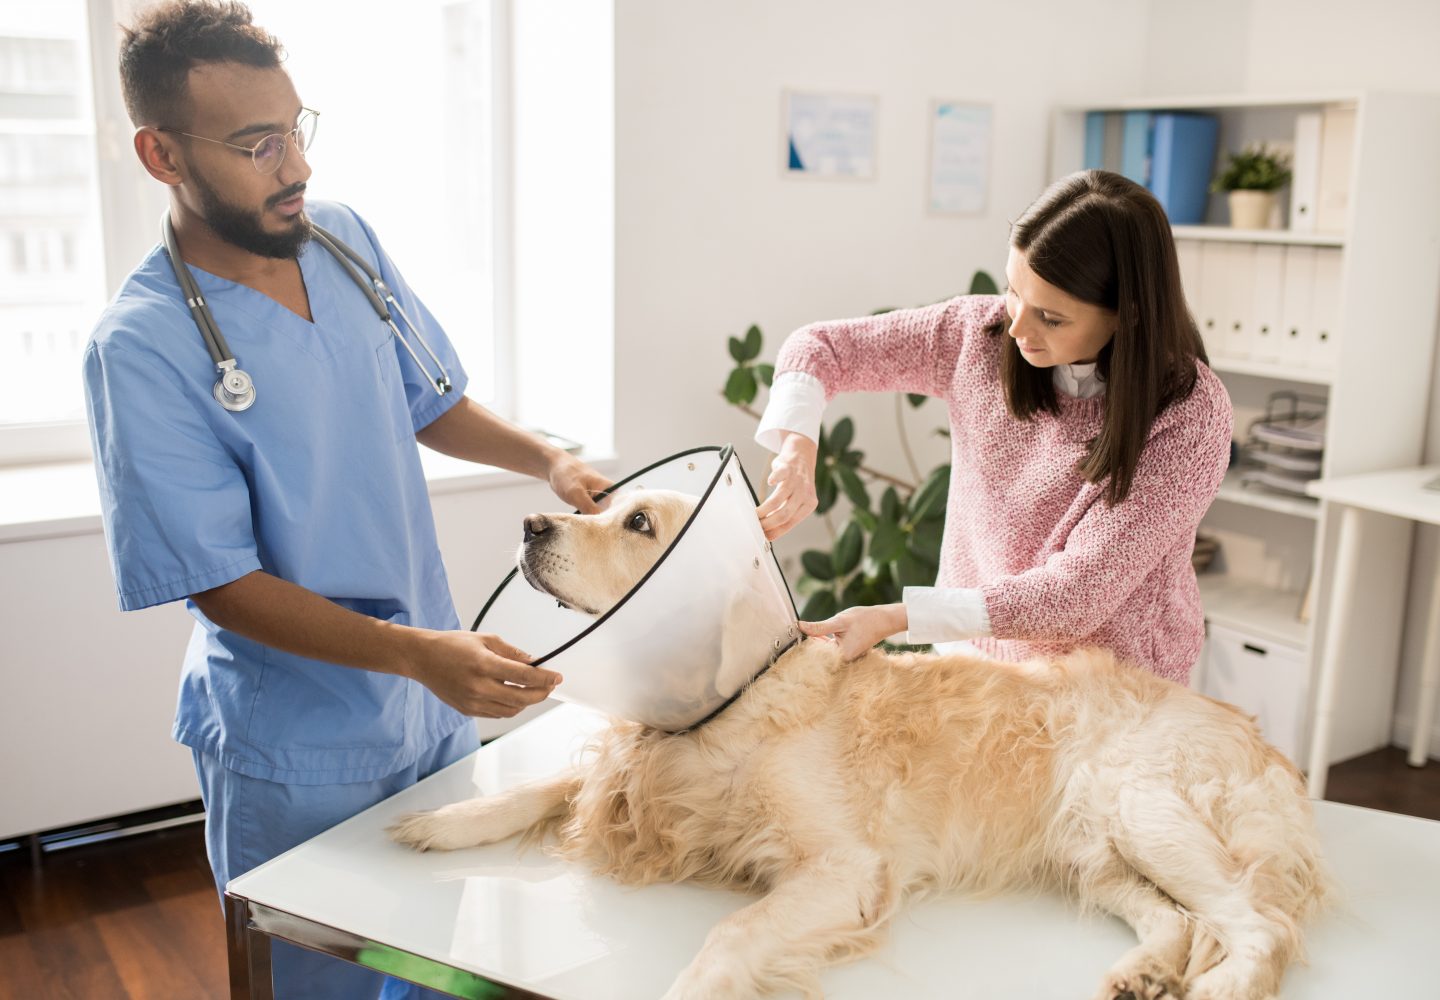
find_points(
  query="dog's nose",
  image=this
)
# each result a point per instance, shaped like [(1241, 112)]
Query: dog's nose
[(536, 524)]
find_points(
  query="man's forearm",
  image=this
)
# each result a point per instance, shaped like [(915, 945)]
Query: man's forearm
[(286, 616), (467, 430)]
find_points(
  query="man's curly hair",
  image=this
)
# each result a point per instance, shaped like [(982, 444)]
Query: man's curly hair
[(158, 51)]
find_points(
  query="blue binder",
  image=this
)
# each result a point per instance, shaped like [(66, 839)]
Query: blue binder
[(1182, 163), (1135, 146), (1094, 140)]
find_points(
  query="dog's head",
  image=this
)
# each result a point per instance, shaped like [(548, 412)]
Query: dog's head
[(589, 562)]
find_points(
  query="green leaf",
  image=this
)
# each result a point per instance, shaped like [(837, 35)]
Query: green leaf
[(818, 564), (853, 487), (822, 451), (983, 284), (886, 590), (766, 373), (916, 399), (926, 536), (912, 571), (852, 458), (930, 497), (887, 542), (890, 505), (825, 490), (846, 554), (821, 605), (807, 585), (752, 344), (864, 518), (740, 387), (841, 435), (737, 349)]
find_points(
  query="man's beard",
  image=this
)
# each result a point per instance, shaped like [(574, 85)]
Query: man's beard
[(242, 228)]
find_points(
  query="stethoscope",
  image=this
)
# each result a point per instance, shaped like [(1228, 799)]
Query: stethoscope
[(235, 389)]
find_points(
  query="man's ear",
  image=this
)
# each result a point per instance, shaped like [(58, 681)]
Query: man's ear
[(157, 155)]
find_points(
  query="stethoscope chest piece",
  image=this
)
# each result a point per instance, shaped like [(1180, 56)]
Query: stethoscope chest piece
[(235, 390)]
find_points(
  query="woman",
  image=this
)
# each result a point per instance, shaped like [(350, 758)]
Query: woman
[(1088, 439)]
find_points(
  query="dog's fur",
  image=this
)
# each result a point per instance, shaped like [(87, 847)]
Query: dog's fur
[(838, 789)]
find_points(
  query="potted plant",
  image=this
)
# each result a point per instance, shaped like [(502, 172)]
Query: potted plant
[(1251, 179)]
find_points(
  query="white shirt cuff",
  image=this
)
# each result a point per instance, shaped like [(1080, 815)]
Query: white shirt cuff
[(797, 402), (943, 614)]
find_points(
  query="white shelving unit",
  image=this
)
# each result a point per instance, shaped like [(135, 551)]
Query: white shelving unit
[(1384, 283)]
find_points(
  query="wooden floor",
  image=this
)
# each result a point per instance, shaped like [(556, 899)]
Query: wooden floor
[(139, 917)]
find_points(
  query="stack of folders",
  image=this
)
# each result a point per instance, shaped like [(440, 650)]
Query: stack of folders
[(1320, 180), (1172, 153), (1286, 445)]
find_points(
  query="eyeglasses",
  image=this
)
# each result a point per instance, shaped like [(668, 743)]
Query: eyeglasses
[(269, 152)]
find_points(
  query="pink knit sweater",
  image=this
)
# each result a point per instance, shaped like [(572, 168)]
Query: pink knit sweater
[(1057, 566)]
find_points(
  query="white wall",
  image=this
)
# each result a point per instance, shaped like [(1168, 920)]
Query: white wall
[(1284, 46)]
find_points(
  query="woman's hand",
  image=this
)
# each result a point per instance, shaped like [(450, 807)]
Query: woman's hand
[(575, 482), (857, 630), (792, 486)]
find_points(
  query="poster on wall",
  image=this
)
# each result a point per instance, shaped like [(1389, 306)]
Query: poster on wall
[(830, 135), (959, 158)]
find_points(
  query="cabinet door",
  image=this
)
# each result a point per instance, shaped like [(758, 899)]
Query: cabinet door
[(1263, 679), (1211, 306), (1238, 339), (1296, 307), (1266, 289), (1325, 316)]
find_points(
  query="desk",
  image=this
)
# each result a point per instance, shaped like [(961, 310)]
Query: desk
[(496, 922), (1397, 493)]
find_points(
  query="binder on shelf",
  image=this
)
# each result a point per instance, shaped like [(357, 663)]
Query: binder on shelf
[(1188, 254), (1297, 306), (1182, 161), (1135, 146), (1325, 310), (1337, 151), (1114, 141), (1305, 171), (1094, 140), (1210, 306), (1268, 283), (1237, 337)]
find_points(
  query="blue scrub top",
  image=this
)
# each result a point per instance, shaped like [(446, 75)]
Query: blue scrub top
[(318, 483)]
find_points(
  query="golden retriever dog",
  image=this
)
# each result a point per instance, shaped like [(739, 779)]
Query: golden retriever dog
[(837, 789)]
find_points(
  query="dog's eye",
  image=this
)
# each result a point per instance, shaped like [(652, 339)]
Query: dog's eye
[(639, 521)]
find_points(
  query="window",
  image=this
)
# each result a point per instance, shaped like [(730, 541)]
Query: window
[(408, 138), (52, 280)]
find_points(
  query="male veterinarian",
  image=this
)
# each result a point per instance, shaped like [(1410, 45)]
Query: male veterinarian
[(327, 669)]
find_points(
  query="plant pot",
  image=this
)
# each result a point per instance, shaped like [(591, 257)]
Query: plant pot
[(1251, 209)]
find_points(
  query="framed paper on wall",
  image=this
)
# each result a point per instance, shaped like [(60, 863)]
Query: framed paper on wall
[(829, 135), (959, 158)]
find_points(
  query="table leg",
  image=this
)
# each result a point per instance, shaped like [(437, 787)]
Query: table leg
[(1429, 683), (1337, 628), (249, 954)]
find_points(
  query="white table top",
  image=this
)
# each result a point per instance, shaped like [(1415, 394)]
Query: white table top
[(1395, 491), (527, 920)]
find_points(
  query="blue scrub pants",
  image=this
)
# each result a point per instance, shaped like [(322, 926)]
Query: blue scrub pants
[(248, 821)]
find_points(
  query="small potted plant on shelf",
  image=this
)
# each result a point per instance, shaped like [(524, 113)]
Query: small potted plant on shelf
[(1251, 180)]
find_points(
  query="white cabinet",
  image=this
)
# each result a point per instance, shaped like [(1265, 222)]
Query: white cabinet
[(1312, 310), (1267, 679)]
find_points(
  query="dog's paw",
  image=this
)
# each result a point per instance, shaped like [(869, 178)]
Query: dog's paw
[(422, 830), (1141, 978)]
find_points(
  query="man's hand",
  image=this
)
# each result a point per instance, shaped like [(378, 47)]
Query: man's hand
[(857, 630), (792, 481), (477, 673), (576, 483)]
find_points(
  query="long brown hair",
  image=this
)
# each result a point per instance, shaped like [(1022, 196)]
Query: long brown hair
[(1105, 240)]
